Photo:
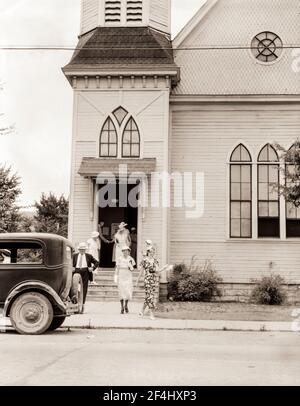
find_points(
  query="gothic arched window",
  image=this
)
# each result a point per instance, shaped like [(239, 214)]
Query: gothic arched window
[(268, 193), (108, 140), (131, 142), (120, 114), (240, 193)]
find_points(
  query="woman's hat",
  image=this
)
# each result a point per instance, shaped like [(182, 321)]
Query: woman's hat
[(82, 246), (126, 248), (149, 243), (95, 234), (123, 225), (5, 252)]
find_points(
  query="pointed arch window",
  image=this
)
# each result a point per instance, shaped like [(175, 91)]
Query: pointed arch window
[(131, 141), (240, 193), (108, 140), (120, 114), (268, 193)]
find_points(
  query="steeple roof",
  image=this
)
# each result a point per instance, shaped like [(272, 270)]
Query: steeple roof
[(121, 46)]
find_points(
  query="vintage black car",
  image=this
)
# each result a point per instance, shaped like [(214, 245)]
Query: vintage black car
[(38, 289)]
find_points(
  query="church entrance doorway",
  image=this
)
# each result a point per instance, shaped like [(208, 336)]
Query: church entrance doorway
[(111, 216)]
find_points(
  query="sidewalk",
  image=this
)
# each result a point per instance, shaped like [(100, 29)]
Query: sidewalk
[(107, 316)]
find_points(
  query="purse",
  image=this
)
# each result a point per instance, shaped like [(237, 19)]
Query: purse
[(116, 279)]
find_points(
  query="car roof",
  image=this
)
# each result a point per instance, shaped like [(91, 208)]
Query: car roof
[(34, 236)]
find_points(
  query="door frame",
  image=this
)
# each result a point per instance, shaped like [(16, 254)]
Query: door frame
[(140, 218)]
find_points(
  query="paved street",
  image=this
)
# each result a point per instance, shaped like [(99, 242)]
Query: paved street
[(140, 357)]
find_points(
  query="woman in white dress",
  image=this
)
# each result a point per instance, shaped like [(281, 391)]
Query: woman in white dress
[(121, 239), (124, 278)]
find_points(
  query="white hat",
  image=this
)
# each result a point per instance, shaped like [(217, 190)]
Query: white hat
[(5, 252), (149, 242), (95, 234), (82, 246), (123, 225), (126, 248)]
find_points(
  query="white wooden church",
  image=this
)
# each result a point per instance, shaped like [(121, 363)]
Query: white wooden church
[(213, 101)]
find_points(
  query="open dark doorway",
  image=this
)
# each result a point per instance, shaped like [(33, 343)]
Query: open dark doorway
[(110, 217)]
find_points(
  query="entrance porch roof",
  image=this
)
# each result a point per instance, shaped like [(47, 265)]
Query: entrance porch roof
[(92, 167)]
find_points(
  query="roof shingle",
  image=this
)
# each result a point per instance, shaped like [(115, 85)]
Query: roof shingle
[(123, 46)]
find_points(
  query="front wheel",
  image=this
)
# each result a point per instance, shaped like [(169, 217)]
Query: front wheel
[(56, 323), (31, 314)]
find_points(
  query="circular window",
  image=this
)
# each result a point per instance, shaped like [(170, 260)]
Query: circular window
[(266, 47)]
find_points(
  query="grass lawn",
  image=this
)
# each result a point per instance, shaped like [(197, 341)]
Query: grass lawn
[(225, 311)]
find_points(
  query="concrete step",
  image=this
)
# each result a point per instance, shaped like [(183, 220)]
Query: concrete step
[(110, 281), (111, 274), (112, 293), (110, 299), (104, 292), (101, 284)]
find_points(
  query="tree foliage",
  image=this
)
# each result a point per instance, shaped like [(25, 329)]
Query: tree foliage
[(9, 192), (52, 215), (291, 189)]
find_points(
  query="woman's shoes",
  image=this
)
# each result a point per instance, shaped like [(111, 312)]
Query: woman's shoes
[(122, 311), (141, 314), (126, 310)]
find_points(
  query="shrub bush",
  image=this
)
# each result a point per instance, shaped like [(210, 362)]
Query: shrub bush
[(269, 291), (194, 283)]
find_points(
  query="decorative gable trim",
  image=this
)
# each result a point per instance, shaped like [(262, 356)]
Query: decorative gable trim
[(194, 22)]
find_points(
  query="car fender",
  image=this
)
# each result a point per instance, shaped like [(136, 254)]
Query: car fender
[(33, 286)]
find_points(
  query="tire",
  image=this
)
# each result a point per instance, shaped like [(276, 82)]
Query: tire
[(56, 323), (31, 314), (77, 291)]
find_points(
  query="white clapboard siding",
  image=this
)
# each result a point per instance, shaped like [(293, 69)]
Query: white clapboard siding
[(89, 15), (80, 216), (202, 140), (160, 12), (233, 24)]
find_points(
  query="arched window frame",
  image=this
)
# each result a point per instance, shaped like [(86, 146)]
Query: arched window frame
[(134, 144), (119, 126), (268, 198), (112, 146), (240, 193)]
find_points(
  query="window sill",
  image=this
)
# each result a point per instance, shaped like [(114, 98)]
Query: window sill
[(280, 240)]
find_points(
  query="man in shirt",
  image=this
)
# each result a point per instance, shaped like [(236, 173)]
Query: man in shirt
[(84, 264)]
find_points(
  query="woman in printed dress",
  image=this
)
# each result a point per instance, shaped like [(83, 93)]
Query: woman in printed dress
[(123, 277), (150, 270)]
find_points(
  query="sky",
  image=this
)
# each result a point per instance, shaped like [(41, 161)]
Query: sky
[(36, 96)]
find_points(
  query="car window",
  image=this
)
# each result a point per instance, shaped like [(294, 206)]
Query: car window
[(21, 253), (30, 256)]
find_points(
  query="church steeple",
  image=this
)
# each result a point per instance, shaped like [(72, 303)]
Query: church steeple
[(124, 38), (126, 13)]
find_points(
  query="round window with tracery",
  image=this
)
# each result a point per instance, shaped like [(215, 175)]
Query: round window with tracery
[(267, 47)]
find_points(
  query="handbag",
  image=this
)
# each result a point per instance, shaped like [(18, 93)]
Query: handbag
[(116, 279)]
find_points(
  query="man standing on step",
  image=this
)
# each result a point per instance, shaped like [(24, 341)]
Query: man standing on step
[(85, 264)]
